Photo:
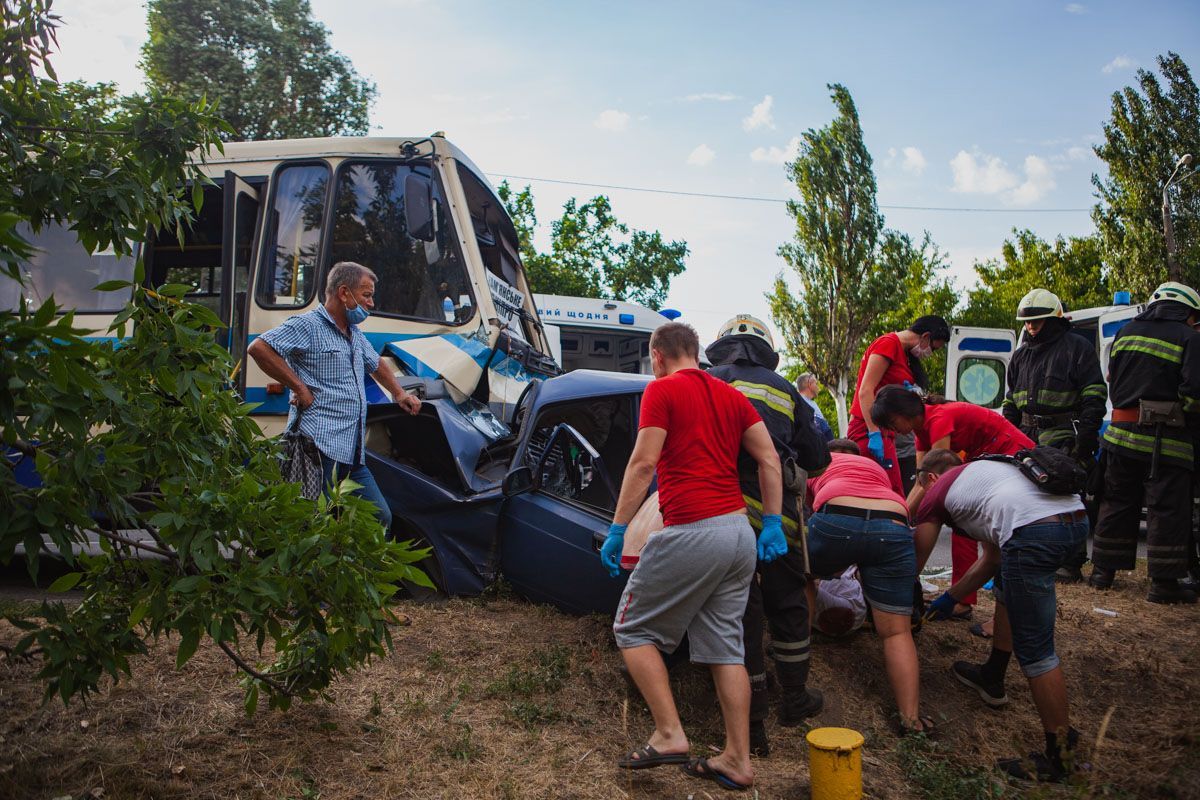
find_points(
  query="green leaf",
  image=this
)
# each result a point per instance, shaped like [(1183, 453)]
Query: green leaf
[(251, 702), (66, 582), (111, 286), (189, 641), (139, 613)]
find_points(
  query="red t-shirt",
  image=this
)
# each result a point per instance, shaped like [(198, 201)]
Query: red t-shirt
[(973, 430), (897, 371), (704, 419)]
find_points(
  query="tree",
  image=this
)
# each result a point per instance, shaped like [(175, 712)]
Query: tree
[(592, 254), (1144, 138), (1071, 268), (266, 63), (148, 436), (847, 275)]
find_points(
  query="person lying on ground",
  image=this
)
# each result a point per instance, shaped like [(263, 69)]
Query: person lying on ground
[(693, 576), (860, 520), (1027, 534)]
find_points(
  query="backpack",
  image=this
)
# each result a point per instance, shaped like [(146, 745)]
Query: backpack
[(1048, 468)]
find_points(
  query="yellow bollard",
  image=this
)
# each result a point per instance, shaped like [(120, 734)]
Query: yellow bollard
[(835, 763)]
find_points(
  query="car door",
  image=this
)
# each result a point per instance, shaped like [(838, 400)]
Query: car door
[(977, 364), (572, 461)]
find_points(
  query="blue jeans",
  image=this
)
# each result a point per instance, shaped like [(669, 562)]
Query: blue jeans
[(369, 490), (882, 549), (1025, 585)]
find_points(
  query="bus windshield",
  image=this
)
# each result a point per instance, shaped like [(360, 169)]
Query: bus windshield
[(62, 267)]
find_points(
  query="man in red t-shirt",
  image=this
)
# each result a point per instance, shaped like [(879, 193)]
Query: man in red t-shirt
[(694, 575)]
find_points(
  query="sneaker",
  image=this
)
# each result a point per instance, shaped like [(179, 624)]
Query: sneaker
[(1101, 578), (990, 691), (1034, 767), (1068, 575), (760, 745), (1170, 593), (794, 710)]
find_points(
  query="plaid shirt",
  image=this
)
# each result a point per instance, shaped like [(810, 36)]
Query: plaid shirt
[(332, 365)]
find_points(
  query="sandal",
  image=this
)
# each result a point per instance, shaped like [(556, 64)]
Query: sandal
[(646, 757), (699, 768), (977, 630), (927, 727)]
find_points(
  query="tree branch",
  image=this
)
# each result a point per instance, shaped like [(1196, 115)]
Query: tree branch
[(251, 671), (113, 536)]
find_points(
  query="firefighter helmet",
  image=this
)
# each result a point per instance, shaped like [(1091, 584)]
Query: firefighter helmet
[(746, 324), (1172, 290), (1039, 304)]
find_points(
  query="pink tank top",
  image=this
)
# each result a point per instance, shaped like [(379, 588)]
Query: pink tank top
[(851, 476)]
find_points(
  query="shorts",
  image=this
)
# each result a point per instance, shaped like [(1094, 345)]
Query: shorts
[(691, 579), (1025, 585), (883, 549)]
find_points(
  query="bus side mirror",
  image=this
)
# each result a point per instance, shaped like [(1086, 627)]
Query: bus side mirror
[(418, 207)]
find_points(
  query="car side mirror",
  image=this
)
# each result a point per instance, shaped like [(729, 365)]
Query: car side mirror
[(517, 481), (418, 207)]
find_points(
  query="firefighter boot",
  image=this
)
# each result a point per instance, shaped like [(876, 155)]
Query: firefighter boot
[(1101, 578), (1169, 592)]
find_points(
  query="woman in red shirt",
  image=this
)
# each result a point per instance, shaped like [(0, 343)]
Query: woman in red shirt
[(886, 362), (962, 428)]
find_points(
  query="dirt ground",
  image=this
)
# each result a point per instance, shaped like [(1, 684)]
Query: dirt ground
[(497, 698)]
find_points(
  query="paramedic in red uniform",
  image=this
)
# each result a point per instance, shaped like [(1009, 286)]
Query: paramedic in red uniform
[(962, 428), (886, 363)]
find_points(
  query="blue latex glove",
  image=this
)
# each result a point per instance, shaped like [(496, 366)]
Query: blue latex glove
[(610, 551), (942, 608), (875, 445), (771, 542)]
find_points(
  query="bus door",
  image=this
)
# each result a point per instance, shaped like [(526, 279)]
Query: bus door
[(1106, 331), (239, 225), (977, 364)]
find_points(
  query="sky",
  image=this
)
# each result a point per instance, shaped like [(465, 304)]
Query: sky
[(982, 105)]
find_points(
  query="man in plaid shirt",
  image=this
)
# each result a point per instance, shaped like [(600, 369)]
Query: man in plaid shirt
[(323, 357)]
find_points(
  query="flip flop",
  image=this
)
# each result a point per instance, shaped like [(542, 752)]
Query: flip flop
[(928, 726), (646, 757), (977, 630), (699, 768)]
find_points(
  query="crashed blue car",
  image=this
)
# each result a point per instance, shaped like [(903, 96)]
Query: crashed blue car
[(530, 503)]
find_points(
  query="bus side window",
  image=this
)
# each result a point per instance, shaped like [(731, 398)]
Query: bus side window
[(293, 242)]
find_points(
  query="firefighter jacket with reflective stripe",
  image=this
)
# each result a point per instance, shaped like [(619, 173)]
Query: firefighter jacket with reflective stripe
[(1156, 356), (1055, 374), (747, 363)]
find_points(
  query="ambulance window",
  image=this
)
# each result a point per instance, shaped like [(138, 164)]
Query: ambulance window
[(981, 381), (293, 236), (415, 277), (62, 267)]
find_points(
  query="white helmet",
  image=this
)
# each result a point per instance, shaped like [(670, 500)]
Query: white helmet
[(1172, 290), (1039, 304), (746, 324)]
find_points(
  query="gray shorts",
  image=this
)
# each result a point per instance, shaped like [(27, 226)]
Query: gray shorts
[(691, 579)]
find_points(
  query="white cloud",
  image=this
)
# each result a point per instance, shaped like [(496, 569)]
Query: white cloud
[(718, 97), (702, 156), (1075, 8), (914, 161), (612, 120), (1120, 62), (1077, 153), (978, 173), (777, 155), (760, 115)]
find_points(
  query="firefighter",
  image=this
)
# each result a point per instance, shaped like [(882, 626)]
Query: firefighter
[(744, 356), (1154, 376), (1056, 392)]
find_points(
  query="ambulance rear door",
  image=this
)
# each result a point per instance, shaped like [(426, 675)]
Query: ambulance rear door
[(1107, 329), (977, 364)]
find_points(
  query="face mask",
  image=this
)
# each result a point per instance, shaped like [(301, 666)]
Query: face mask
[(357, 315), (922, 351)]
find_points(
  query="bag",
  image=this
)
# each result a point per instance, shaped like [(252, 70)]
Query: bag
[(795, 478), (1050, 469), (1168, 413), (302, 461)]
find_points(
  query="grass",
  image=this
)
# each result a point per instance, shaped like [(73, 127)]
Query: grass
[(501, 699)]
